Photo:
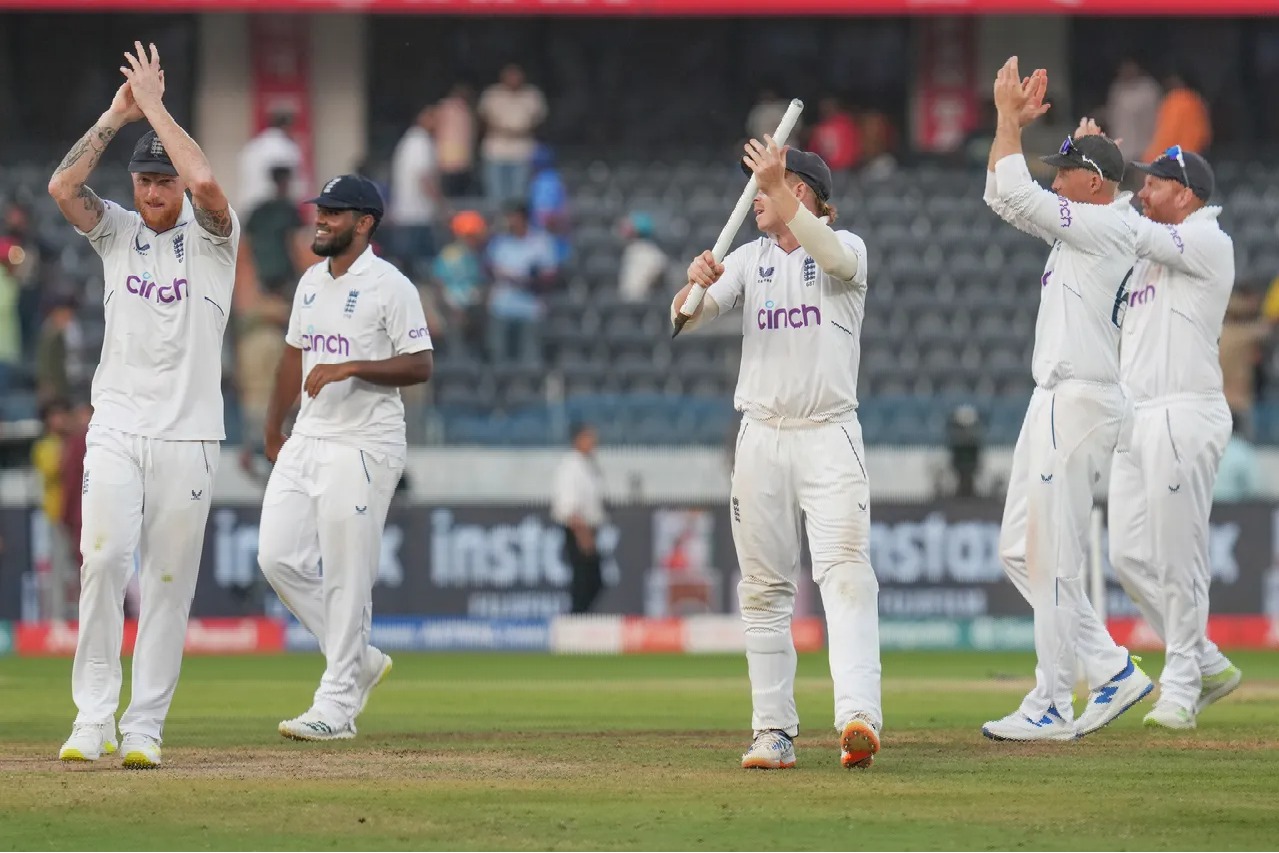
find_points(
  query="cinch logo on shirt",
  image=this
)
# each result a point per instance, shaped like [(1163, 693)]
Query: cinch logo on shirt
[(419, 332), (147, 288), (1141, 297), (772, 317), (331, 344)]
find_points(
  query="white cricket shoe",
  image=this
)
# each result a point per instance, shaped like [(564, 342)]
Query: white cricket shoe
[(1114, 697), (141, 752), (311, 726), (88, 742), (1017, 726), (1166, 715), (1218, 686), (372, 677), (771, 750)]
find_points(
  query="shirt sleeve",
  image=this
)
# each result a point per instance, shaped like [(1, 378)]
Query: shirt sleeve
[(115, 227), (564, 504), (1022, 202), (1001, 209), (404, 319), (1187, 248), (293, 337), (724, 295)]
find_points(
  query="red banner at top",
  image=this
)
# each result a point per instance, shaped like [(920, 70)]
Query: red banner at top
[(659, 8)]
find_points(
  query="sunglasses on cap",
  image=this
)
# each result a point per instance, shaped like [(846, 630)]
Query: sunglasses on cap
[(1174, 153), (1068, 147)]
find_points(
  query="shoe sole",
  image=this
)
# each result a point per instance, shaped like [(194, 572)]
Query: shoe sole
[(1160, 724), (1219, 693), (1065, 736), (858, 745), (310, 738), (74, 754), (765, 764), (1149, 688), (139, 761)]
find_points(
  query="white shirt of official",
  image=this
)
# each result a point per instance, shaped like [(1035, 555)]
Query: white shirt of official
[(371, 313), (579, 491), (1083, 291), (166, 298), (413, 160), (801, 329), (1176, 304), (270, 149)]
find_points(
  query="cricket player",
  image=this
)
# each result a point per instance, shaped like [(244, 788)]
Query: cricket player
[(357, 335), (152, 446), (1161, 488), (1078, 411), (801, 289)]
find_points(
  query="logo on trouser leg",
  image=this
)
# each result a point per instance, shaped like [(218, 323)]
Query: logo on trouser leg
[(195, 496), (360, 510), (737, 511), (84, 482)]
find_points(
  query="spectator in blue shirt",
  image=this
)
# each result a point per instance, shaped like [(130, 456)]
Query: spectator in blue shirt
[(548, 201), (524, 265), (461, 279)]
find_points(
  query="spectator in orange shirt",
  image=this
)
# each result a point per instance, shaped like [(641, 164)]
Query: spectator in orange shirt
[(836, 138), (1183, 119)]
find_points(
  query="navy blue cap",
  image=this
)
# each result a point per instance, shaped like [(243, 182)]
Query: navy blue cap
[(149, 156), (1185, 167), (350, 192), (811, 168)]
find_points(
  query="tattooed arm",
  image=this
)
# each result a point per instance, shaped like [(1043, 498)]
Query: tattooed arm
[(212, 211), (79, 204)]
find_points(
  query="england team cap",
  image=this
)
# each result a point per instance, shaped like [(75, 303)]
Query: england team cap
[(1185, 167), (1094, 153), (811, 168), (350, 192), (150, 157)]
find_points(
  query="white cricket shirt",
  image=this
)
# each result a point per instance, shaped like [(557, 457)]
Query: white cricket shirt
[(371, 313), (1084, 287), (801, 330), (166, 297), (1176, 306)]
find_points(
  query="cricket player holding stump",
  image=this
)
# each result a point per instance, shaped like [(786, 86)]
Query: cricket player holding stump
[(799, 459), (152, 447), (357, 335), (1161, 487), (1078, 412)]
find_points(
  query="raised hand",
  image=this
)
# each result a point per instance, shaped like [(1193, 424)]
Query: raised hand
[(146, 78)]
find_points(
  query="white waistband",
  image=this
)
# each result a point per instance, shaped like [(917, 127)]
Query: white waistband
[(780, 422), (1180, 399)]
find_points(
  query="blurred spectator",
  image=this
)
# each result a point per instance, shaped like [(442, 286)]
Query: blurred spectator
[(1237, 474), (73, 448), (767, 114), (273, 148), (879, 141), (1242, 334), (511, 110), (1183, 119), (415, 197), (10, 322), (276, 238), (1131, 108), (548, 201), (522, 261), (460, 278), (455, 141), (61, 366), (262, 302), (46, 458), (644, 265), (577, 505), (836, 136), (29, 268)]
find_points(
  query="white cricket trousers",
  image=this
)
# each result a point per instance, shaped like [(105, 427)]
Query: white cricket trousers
[(148, 495), (328, 502), (786, 473), (1065, 446), (1160, 498)]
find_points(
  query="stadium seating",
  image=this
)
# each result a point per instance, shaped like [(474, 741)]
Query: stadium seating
[(950, 309)]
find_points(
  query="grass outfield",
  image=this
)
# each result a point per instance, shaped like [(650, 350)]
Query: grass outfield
[(533, 752)]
